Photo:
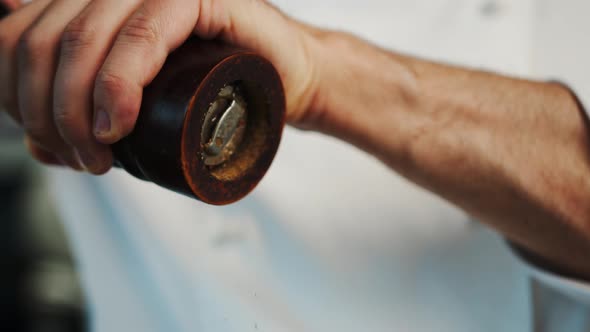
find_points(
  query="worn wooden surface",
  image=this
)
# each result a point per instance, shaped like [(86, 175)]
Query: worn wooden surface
[(166, 148)]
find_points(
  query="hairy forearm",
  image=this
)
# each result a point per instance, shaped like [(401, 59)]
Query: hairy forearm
[(513, 153)]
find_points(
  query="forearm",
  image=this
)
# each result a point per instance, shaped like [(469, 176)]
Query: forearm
[(513, 153)]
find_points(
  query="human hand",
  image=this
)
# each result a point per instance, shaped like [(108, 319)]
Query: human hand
[(73, 71)]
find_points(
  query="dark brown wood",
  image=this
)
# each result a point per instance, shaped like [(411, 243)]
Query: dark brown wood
[(166, 145)]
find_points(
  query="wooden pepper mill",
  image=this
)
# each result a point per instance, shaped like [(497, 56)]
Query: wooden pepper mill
[(210, 123)]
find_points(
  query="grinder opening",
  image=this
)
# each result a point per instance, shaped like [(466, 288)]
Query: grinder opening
[(235, 130)]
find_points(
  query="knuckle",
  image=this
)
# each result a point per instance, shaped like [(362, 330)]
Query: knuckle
[(33, 44), (78, 35), (140, 29), (69, 126), (108, 84), (64, 87), (64, 119)]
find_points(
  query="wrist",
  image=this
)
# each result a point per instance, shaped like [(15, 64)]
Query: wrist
[(363, 93)]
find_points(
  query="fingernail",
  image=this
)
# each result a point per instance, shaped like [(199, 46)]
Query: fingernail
[(87, 160), (72, 162), (102, 123)]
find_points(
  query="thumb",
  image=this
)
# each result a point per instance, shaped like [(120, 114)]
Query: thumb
[(288, 44)]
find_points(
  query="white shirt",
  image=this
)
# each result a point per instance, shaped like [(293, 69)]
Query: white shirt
[(336, 241)]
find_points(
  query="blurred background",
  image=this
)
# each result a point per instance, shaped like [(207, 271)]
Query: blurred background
[(39, 286)]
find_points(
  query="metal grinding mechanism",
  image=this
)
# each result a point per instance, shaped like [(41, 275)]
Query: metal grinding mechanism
[(210, 123), (225, 126)]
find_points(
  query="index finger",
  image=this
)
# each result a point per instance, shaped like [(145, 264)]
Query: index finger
[(139, 52)]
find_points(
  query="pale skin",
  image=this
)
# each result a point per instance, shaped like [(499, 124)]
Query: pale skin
[(513, 153)]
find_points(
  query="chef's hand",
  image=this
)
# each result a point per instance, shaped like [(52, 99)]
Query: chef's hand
[(72, 71)]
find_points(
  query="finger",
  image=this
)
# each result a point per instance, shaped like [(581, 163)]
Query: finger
[(84, 46), (11, 28), (41, 155), (296, 70), (156, 28), (36, 53)]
